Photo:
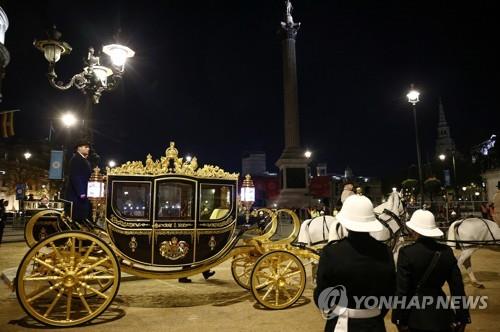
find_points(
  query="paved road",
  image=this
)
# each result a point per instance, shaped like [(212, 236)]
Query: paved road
[(219, 304)]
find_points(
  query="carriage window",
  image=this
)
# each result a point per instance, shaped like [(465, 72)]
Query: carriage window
[(175, 200), (215, 201), (131, 199)]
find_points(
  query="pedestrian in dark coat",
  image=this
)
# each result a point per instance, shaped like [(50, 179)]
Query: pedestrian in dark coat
[(361, 264), (413, 262), (76, 188)]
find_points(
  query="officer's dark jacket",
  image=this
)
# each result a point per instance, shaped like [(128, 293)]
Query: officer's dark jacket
[(413, 261), (79, 174), (365, 267)]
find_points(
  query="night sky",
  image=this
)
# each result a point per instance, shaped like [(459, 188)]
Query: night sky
[(208, 74)]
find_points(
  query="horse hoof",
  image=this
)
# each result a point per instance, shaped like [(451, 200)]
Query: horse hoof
[(478, 285)]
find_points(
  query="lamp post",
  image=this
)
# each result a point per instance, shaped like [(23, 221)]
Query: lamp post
[(413, 99), (95, 77), (247, 195)]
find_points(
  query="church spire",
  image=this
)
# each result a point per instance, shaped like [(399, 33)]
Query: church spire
[(444, 142), (442, 117)]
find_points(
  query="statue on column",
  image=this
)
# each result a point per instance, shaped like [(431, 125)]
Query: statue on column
[(289, 8), (289, 23)]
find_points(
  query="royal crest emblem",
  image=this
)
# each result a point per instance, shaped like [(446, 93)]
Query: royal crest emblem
[(174, 249), (132, 244)]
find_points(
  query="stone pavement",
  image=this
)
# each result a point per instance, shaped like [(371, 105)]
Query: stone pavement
[(219, 304)]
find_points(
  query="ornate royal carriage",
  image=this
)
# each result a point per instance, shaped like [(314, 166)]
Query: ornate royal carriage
[(165, 218)]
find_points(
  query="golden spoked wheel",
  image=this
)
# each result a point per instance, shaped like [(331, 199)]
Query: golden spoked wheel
[(241, 268), (67, 279), (278, 279)]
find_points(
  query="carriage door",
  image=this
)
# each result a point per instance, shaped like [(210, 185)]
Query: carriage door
[(174, 222)]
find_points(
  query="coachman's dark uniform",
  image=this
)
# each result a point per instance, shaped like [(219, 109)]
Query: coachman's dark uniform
[(413, 261), (79, 174), (365, 267)]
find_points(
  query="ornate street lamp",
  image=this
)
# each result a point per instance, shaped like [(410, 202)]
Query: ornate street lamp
[(247, 195), (95, 78), (413, 98)]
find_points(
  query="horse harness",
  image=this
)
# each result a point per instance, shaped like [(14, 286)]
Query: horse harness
[(460, 243), (325, 228)]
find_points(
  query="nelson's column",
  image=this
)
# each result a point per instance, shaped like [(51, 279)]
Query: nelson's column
[(292, 164)]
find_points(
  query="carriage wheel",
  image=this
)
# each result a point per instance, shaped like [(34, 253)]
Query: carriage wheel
[(278, 279), (241, 268), (67, 279), (34, 233)]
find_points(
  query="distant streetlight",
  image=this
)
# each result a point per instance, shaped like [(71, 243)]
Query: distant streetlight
[(464, 188), (413, 96), (413, 99), (112, 163), (68, 119), (442, 157), (308, 154), (27, 155)]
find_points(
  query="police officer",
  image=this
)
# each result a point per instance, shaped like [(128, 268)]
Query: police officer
[(360, 264), (76, 187), (422, 269)]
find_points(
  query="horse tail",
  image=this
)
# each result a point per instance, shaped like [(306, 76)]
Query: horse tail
[(452, 231)]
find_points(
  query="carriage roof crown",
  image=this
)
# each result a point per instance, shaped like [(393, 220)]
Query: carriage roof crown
[(171, 164)]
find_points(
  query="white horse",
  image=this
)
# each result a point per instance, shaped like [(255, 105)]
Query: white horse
[(315, 232), (476, 233)]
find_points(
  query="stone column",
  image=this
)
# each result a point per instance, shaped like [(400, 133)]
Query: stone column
[(292, 163)]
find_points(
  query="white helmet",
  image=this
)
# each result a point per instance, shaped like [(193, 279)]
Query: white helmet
[(423, 222), (357, 215)]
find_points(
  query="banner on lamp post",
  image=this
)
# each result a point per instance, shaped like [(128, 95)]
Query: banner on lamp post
[(56, 165)]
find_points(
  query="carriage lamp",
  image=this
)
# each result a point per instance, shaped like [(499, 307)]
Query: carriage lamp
[(95, 192), (247, 195)]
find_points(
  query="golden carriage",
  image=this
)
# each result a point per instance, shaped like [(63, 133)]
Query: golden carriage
[(164, 219)]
